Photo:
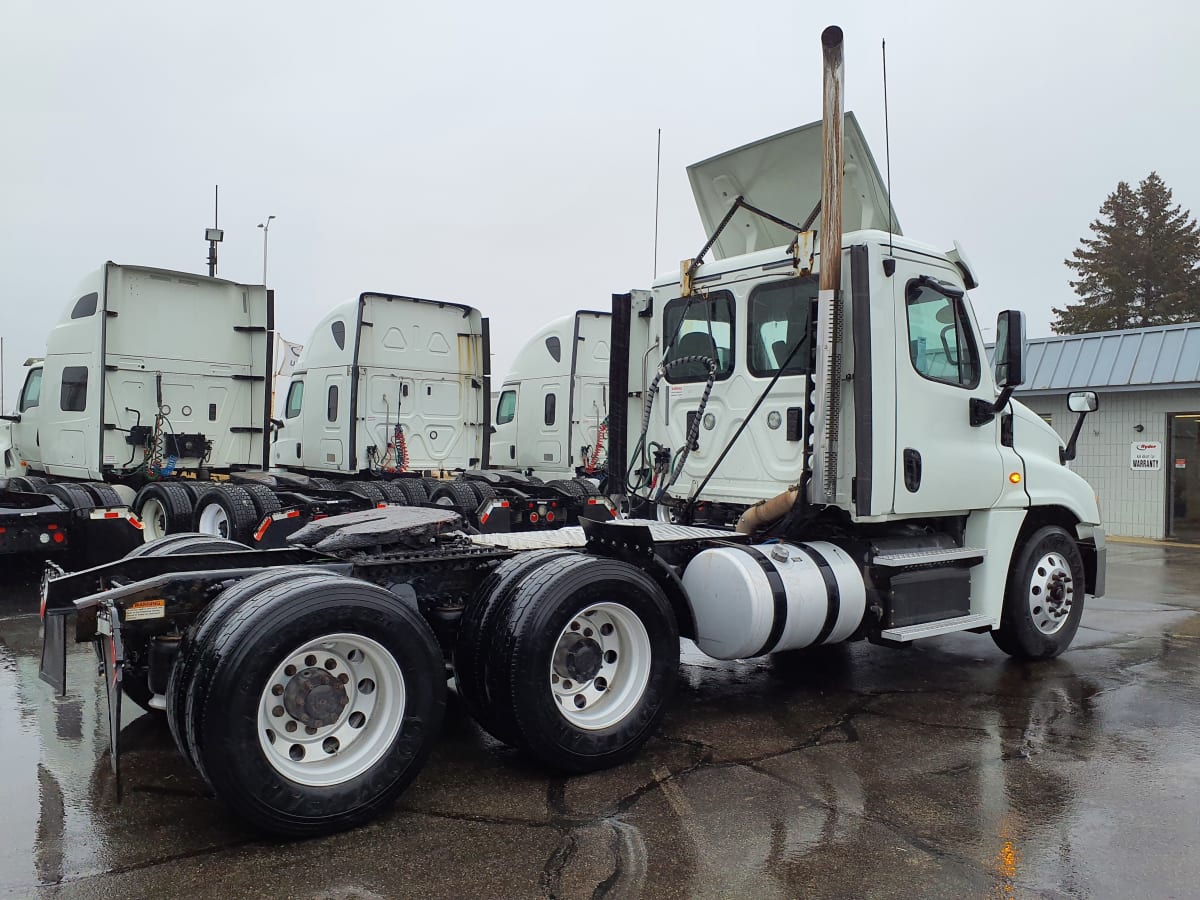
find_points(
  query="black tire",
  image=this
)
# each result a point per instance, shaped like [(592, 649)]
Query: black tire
[(590, 487), (571, 488), (483, 491), (197, 489), (234, 668), (103, 494), (414, 490), (430, 484), (393, 494), (227, 512), (367, 490), (75, 496), (164, 509), (1049, 565), (184, 542), (264, 499), (476, 632), (327, 484), (543, 610), (457, 495), (31, 484), (137, 688), (198, 634)]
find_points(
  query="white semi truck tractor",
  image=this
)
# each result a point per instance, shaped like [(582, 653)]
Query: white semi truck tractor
[(821, 453), (390, 400), (149, 376)]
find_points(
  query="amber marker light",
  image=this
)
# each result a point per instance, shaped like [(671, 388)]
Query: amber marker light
[(1014, 477)]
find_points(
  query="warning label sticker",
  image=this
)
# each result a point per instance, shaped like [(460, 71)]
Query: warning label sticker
[(146, 609)]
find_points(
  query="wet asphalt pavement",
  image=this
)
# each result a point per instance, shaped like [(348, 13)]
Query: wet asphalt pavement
[(945, 770)]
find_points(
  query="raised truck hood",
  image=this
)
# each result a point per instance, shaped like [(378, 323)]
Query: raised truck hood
[(781, 175)]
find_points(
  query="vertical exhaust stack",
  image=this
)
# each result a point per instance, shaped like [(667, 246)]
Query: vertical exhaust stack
[(823, 486), (832, 161)]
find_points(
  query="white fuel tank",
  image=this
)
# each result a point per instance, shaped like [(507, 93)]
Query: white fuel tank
[(750, 600)]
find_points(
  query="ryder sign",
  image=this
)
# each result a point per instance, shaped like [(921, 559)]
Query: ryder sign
[(1145, 456)]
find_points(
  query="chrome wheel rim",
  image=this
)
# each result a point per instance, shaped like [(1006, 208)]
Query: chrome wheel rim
[(214, 520), (331, 709), (600, 666), (1051, 593), (154, 520)]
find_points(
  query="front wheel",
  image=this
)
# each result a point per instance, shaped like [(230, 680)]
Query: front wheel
[(1043, 601), (315, 704)]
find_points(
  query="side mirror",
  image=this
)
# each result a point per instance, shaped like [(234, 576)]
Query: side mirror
[(14, 418), (1010, 349), (1083, 401), (1009, 364)]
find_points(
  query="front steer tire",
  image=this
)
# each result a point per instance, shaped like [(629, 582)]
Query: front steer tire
[(1047, 573), (243, 662), (549, 652)]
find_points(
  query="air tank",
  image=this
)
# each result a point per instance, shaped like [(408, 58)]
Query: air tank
[(751, 600)]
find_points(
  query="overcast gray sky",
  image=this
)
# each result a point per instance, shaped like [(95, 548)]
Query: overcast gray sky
[(502, 155)]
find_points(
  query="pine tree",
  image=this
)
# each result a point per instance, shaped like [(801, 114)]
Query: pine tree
[(1141, 266)]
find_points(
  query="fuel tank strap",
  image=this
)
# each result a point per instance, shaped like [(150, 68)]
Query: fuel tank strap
[(778, 595), (834, 594)]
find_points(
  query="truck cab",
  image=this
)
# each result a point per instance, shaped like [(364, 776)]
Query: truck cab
[(870, 414), (123, 387), (387, 383), (552, 412)]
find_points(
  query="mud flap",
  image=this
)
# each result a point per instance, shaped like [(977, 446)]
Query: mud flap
[(53, 669), (111, 649)]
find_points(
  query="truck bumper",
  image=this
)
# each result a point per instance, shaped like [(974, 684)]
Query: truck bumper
[(1095, 557)]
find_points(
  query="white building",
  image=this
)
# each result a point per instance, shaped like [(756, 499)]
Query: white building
[(1141, 450)]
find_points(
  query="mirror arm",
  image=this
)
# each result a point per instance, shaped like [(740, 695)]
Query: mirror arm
[(1067, 453), (16, 418), (983, 412)]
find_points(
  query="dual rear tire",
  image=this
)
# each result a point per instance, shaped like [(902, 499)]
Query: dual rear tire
[(570, 658), (307, 701)]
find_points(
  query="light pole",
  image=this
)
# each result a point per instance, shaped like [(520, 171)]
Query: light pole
[(266, 227)]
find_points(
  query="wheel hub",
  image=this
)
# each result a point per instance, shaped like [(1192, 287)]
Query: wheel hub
[(1051, 593), (315, 697), (579, 660)]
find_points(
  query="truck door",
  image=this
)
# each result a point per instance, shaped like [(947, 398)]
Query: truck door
[(26, 440), (334, 422), (944, 464), (504, 439), (553, 422)]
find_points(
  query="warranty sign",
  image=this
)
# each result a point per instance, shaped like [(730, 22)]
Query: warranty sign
[(1145, 456)]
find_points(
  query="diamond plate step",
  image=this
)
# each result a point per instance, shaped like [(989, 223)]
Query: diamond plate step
[(932, 629), (929, 557)]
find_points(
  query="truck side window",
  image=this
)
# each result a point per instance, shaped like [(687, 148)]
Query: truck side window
[(777, 321), (31, 394), (85, 306), (331, 404), (73, 396), (549, 413), (295, 399), (699, 326), (554, 346), (506, 409), (939, 341), (339, 333)]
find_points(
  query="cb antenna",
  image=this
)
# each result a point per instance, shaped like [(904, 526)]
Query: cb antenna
[(887, 153), (657, 181)]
